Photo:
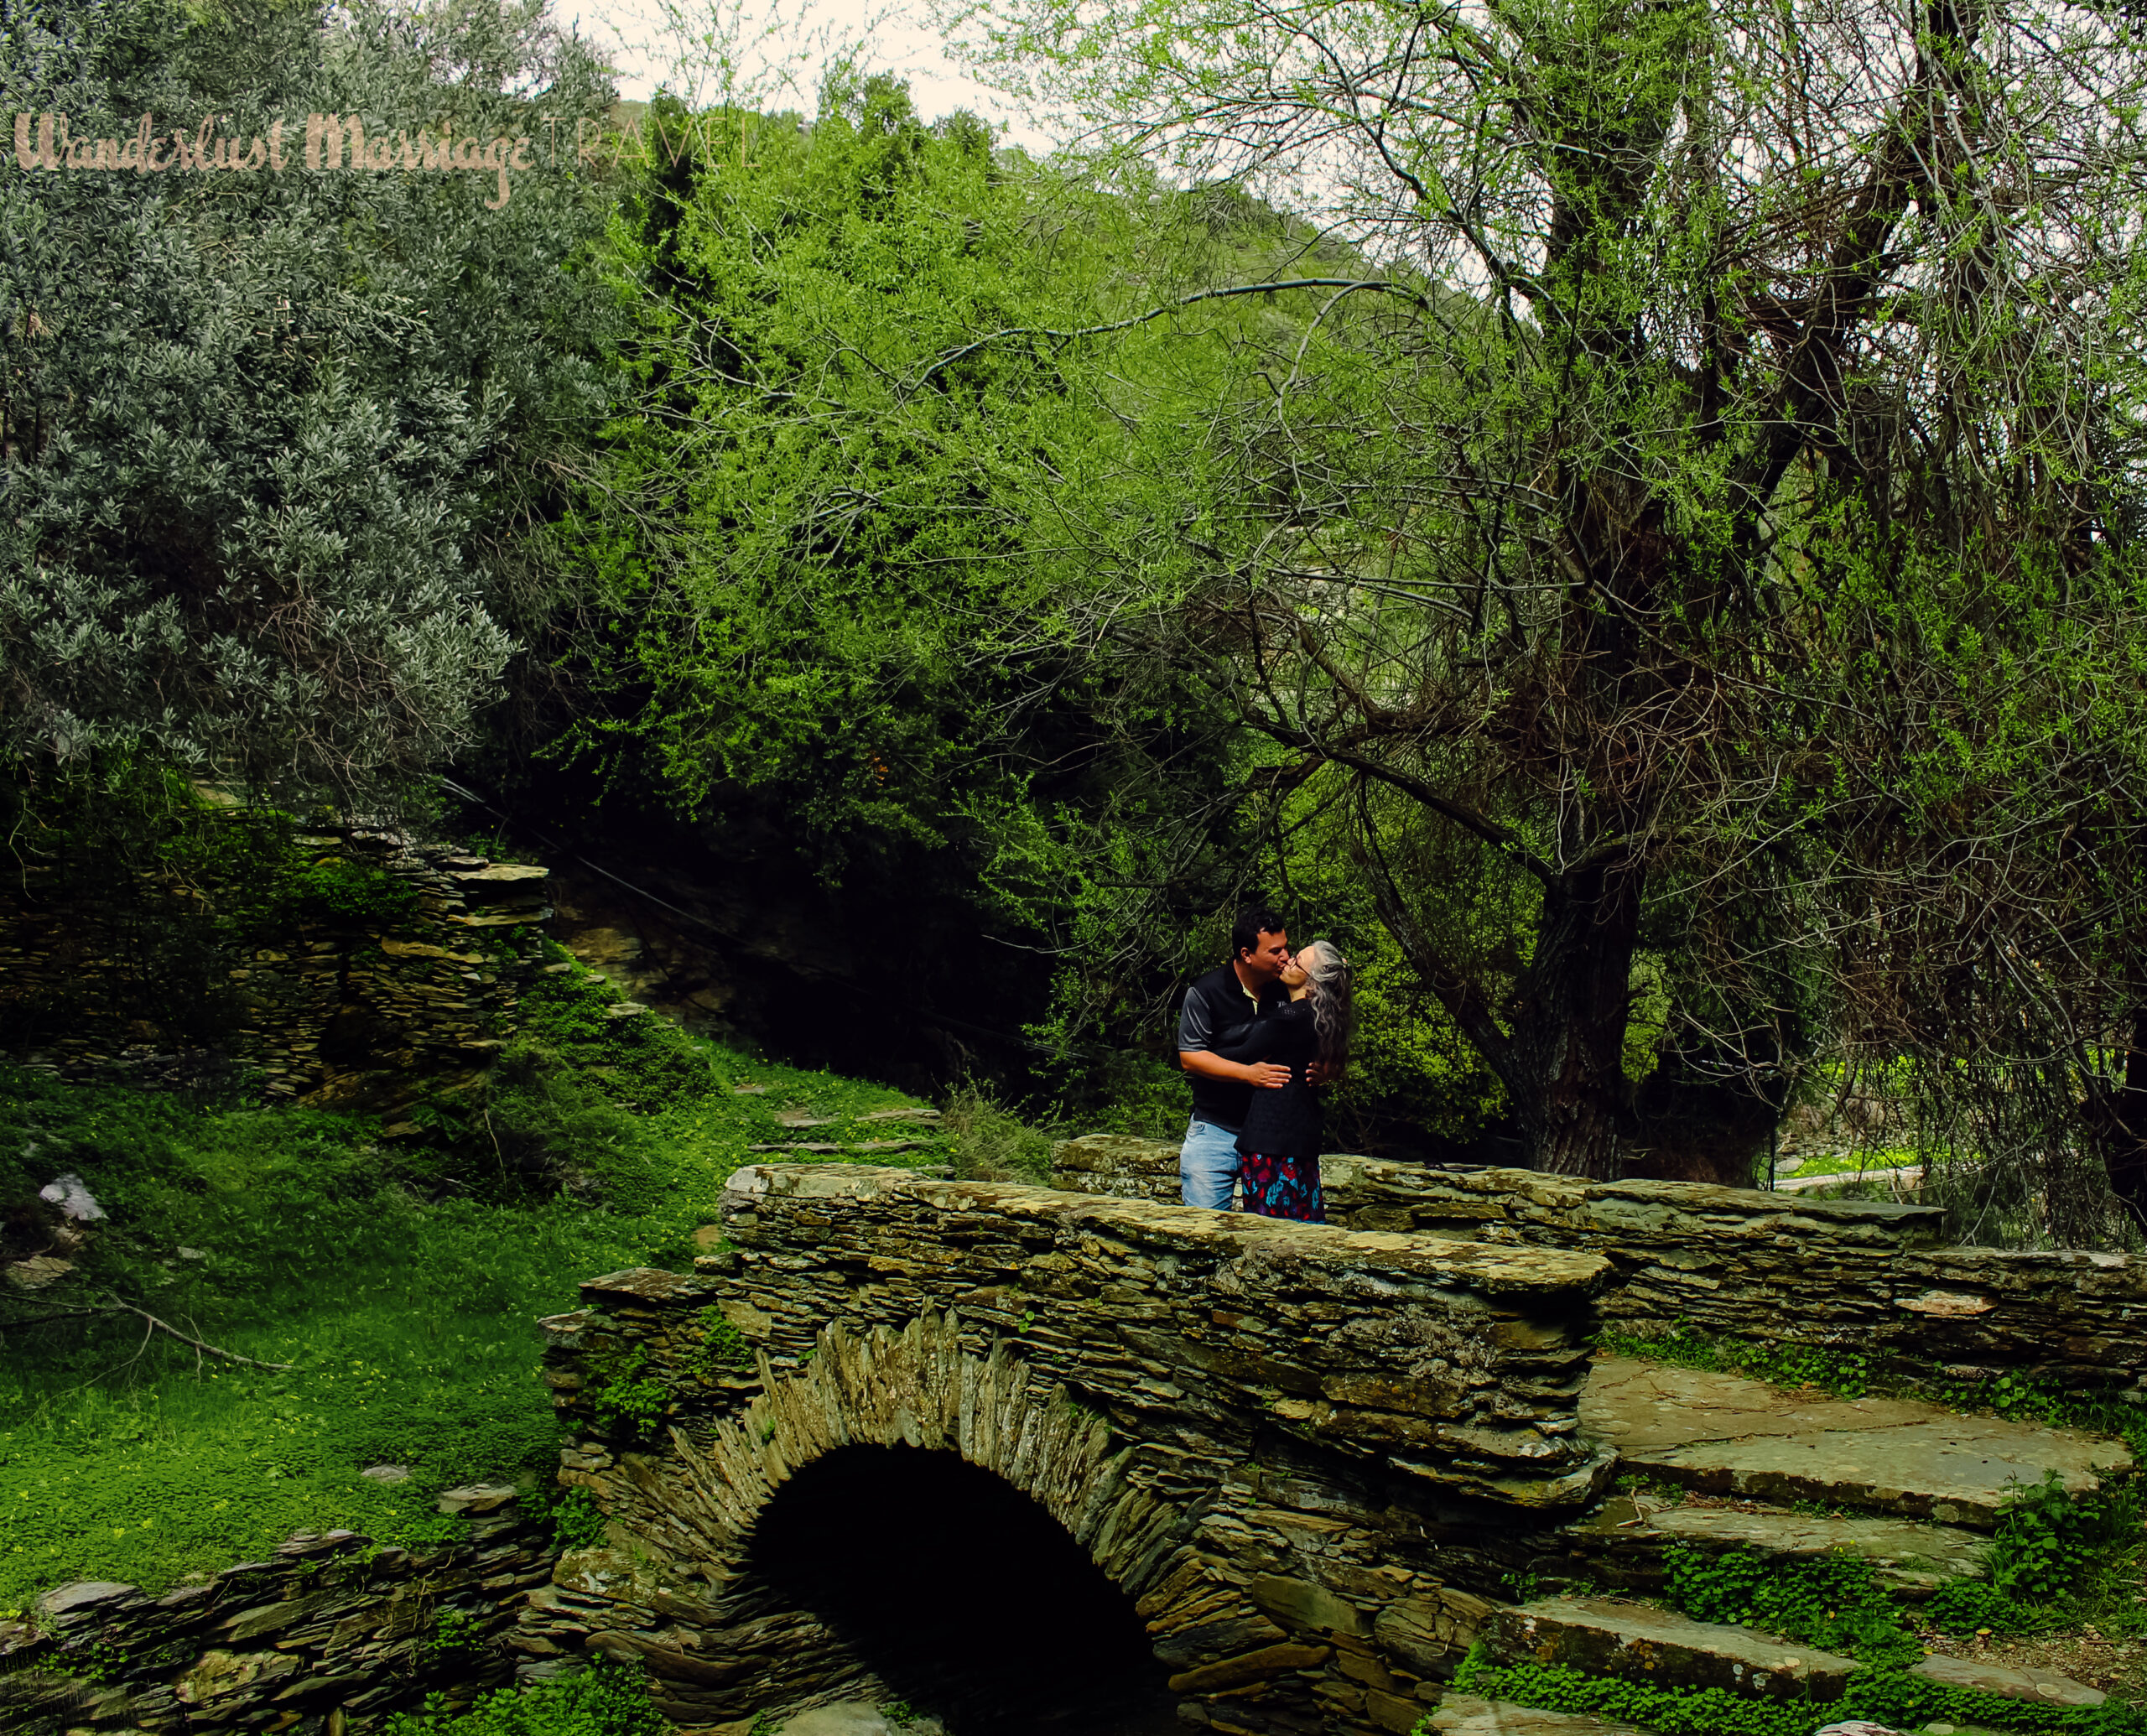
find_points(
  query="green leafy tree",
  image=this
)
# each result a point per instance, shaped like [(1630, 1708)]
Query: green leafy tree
[(273, 441), (1727, 485)]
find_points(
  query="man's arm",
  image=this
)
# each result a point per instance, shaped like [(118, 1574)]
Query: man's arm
[(1196, 1031), (1268, 1074)]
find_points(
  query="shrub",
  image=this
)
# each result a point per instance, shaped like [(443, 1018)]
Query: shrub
[(604, 1699)]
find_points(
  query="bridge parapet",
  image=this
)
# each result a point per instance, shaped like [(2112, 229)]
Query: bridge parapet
[(1296, 1448), (1461, 1363), (1868, 1275)]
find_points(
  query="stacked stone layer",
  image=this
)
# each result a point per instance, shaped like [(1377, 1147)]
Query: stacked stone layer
[(1742, 1263), (330, 1637), (338, 1015), (1284, 1443)]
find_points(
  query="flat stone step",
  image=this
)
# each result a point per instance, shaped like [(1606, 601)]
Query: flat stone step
[(1626, 1539), (1465, 1715), (1723, 1434), (2045, 1687), (1639, 1642)]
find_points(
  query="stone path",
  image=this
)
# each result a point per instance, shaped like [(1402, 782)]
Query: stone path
[(1888, 1467), (1465, 1715), (1628, 1534), (854, 1717), (1722, 1434)]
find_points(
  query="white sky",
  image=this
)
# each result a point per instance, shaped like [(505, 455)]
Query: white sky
[(780, 48)]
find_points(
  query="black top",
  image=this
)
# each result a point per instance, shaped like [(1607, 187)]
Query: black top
[(1217, 1003), (1281, 1121)]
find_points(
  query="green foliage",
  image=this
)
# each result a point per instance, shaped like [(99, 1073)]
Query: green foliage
[(1846, 1374), (992, 1143), (1835, 1602), (628, 1399), (605, 1699), (403, 1282), (348, 894), (1886, 1695), (270, 523), (577, 1522), (2052, 1544), (455, 1634), (724, 1348)]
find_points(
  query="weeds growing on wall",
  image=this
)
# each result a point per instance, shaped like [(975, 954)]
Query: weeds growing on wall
[(606, 1699), (1887, 1695)]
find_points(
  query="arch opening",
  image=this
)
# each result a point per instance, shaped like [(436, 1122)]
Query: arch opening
[(962, 1594)]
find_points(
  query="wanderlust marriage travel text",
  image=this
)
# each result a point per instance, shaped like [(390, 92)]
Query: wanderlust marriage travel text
[(44, 141)]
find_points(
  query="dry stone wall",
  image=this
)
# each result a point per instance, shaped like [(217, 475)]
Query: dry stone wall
[(327, 1638), (1742, 1262), (347, 1015), (1294, 1448)]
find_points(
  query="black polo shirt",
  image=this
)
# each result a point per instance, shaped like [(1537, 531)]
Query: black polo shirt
[(1217, 1003)]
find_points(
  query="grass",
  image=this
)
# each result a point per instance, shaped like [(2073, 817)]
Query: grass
[(402, 1281)]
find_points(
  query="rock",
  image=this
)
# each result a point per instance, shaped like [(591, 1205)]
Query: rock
[(71, 1194), (1723, 1434), (1429, 1633), (855, 1717), (1628, 1538), (1465, 1715), (1298, 1603), (1252, 1666), (476, 1497), (387, 1474), (1859, 1727), (38, 1271), (625, 1010), (66, 1600), (2045, 1686), (1641, 1642)]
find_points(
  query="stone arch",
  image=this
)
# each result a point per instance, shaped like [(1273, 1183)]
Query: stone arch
[(918, 1387), (718, 1652)]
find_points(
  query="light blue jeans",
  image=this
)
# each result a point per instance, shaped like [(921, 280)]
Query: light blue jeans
[(1208, 1166)]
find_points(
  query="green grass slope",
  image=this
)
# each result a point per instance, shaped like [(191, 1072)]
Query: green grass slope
[(401, 1282)]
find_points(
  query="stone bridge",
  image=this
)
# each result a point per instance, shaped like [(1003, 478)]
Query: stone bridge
[(1301, 1456), (909, 1438)]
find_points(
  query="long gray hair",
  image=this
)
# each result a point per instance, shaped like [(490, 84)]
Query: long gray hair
[(1333, 1002)]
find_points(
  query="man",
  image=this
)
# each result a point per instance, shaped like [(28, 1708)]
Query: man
[(1248, 987)]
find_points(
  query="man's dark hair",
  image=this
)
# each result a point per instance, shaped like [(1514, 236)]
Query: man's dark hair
[(1254, 920)]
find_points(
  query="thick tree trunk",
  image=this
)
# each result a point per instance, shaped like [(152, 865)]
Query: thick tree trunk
[(1565, 1073)]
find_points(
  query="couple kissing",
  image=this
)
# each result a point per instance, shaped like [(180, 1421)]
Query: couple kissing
[(1259, 1036)]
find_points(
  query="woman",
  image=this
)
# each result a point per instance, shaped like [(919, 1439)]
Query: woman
[(1278, 1148)]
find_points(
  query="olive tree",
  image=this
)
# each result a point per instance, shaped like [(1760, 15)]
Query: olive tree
[(276, 431), (1718, 495)]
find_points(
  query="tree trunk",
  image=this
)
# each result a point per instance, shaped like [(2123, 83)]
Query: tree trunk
[(1566, 1056)]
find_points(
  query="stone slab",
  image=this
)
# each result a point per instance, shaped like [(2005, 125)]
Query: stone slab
[(854, 1717), (1465, 1715), (1908, 1555), (2044, 1687), (1639, 1642), (1723, 1434), (1639, 1406)]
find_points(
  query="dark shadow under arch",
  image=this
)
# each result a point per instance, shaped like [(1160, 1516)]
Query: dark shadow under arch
[(961, 1594)]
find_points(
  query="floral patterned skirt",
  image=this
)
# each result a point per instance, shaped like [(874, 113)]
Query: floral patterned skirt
[(1281, 1186)]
